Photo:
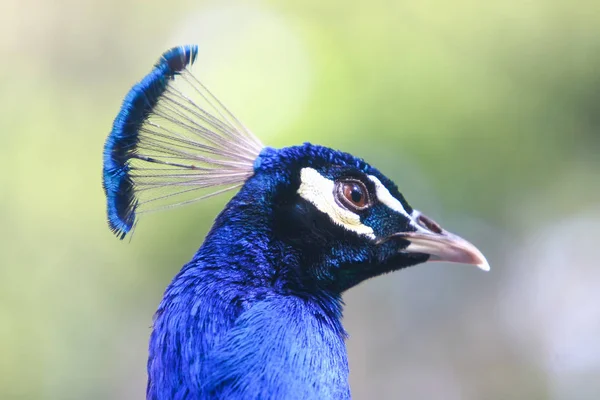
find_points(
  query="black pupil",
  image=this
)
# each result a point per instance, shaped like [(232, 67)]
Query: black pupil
[(356, 194)]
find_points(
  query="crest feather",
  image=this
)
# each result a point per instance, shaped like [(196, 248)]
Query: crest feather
[(172, 143)]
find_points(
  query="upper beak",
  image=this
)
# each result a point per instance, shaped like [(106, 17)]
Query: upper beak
[(440, 244)]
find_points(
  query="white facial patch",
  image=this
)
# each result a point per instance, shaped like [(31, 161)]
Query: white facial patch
[(318, 190)]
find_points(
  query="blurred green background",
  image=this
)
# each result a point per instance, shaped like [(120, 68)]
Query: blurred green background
[(486, 114)]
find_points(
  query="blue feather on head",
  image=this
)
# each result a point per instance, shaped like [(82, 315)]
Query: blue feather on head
[(257, 311)]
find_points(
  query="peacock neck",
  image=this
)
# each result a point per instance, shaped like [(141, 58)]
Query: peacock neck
[(237, 317)]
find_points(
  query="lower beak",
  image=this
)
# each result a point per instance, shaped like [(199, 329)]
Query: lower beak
[(441, 245)]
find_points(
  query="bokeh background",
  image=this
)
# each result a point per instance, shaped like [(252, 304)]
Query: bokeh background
[(486, 114)]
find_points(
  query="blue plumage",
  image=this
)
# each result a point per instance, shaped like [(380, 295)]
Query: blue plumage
[(237, 313), (256, 313)]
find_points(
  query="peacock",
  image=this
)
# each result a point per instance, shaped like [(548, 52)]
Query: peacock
[(256, 313)]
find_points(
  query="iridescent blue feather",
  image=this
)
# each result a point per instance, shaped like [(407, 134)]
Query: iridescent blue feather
[(172, 135)]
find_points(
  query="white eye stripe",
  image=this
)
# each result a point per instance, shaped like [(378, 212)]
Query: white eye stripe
[(386, 198), (319, 191)]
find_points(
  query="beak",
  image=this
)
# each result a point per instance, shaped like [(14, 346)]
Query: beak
[(440, 244)]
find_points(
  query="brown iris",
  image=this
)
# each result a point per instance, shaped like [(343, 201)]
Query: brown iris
[(353, 195)]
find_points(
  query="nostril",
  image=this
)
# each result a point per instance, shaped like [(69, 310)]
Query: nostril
[(430, 224)]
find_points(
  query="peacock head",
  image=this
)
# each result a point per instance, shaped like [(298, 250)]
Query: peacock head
[(345, 219), (333, 212)]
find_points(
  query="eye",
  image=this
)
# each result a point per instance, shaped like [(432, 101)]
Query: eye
[(353, 195)]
